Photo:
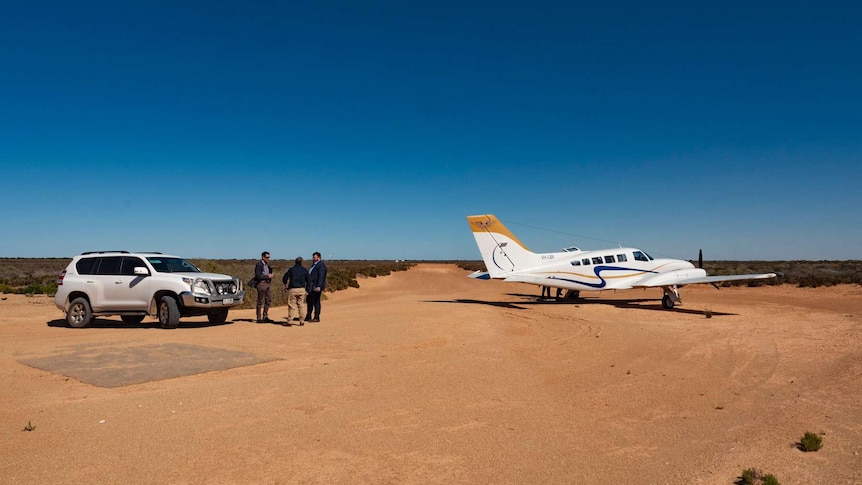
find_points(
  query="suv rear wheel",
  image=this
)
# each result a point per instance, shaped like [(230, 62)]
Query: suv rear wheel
[(169, 313), (80, 314)]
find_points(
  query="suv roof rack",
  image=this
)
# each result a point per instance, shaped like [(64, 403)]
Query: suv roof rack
[(103, 252)]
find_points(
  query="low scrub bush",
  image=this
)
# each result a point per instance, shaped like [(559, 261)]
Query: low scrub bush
[(753, 476), (810, 442)]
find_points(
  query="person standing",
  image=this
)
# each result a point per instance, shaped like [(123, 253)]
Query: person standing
[(263, 277), (316, 285), (295, 283)]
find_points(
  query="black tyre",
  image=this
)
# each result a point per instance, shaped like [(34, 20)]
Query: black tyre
[(667, 302), (132, 319), (217, 316), (169, 312), (80, 314)]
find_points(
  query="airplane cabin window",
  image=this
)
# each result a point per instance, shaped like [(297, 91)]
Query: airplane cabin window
[(621, 258), (586, 261), (576, 263), (597, 260), (609, 259)]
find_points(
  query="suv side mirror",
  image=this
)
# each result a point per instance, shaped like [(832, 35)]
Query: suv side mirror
[(141, 271)]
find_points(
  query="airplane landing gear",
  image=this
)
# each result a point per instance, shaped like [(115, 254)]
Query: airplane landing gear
[(670, 298), (666, 302)]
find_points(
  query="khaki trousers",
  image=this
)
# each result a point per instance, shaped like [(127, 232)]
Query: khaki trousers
[(296, 304)]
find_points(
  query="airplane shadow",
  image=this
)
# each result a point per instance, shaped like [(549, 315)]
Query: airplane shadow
[(650, 304), (106, 323), (501, 304)]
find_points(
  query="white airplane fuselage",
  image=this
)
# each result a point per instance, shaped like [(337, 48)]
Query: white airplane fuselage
[(608, 269), (621, 268)]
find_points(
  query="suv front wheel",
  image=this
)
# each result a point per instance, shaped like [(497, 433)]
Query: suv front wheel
[(80, 314), (218, 316), (169, 312)]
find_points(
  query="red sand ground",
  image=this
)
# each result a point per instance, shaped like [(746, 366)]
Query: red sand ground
[(427, 376)]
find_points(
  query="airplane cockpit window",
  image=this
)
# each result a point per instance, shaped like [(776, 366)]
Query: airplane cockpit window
[(609, 259), (639, 256), (621, 258), (597, 260), (586, 261)]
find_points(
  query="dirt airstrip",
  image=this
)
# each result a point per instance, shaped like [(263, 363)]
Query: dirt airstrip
[(427, 376)]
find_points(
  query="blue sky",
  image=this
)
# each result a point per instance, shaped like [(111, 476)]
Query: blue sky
[(369, 130)]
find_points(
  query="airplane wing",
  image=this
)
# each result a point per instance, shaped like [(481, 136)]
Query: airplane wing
[(528, 278), (519, 278), (668, 279)]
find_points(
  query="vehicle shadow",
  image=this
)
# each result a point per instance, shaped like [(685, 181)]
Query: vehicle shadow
[(109, 323)]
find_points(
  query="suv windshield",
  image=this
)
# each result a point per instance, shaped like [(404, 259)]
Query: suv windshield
[(172, 265)]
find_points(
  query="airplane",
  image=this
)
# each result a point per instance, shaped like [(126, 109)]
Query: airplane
[(577, 270)]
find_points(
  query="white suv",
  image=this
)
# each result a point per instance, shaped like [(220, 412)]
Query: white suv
[(134, 285)]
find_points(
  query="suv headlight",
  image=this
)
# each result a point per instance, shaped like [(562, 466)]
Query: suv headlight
[(223, 288), (198, 285)]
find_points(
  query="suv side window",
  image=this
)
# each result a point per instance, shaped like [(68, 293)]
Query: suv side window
[(129, 264), (109, 265), (86, 265)]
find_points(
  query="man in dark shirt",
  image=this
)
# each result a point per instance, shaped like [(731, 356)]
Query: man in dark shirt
[(263, 276), (316, 285), (295, 282)]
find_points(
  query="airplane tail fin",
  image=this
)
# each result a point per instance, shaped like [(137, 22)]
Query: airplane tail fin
[(502, 252)]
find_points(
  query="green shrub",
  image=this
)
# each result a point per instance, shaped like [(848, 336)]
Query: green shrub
[(748, 477), (810, 442), (753, 476), (769, 479)]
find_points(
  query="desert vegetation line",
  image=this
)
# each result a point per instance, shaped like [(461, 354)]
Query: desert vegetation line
[(39, 275)]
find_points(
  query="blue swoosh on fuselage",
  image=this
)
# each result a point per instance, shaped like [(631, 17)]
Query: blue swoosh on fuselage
[(597, 270)]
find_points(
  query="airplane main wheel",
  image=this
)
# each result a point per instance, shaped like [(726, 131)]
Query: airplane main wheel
[(667, 302)]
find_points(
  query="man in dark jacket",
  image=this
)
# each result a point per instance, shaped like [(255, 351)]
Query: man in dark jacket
[(316, 285), (263, 276), (295, 284)]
